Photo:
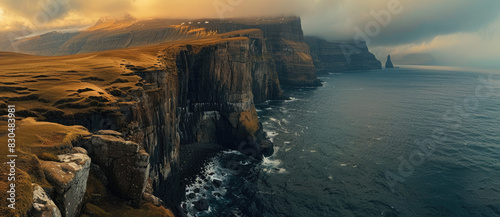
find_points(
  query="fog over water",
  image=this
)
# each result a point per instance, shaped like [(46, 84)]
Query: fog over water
[(455, 32)]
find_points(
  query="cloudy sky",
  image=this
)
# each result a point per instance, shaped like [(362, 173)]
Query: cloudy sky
[(456, 32)]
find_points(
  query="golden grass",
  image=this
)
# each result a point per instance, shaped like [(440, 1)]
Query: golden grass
[(34, 139), (83, 83), (305, 57), (250, 121), (48, 157), (43, 137), (64, 85), (24, 194)]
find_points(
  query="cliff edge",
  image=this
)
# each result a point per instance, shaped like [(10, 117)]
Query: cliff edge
[(127, 112), (341, 56), (283, 39)]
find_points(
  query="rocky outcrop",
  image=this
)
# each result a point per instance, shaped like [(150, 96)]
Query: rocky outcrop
[(220, 95), (69, 178), (216, 98), (124, 163), (284, 39), (148, 102), (388, 64), (43, 206), (341, 56)]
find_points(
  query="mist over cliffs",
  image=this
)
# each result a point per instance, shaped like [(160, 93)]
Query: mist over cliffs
[(296, 58), (341, 56), (144, 89)]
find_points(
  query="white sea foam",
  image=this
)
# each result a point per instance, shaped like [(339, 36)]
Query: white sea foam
[(272, 165), (271, 134), (212, 171), (292, 99)]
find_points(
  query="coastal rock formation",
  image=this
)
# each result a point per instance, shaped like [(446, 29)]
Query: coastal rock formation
[(126, 165), (69, 178), (143, 104), (216, 98), (341, 56), (283, 39), (388, 64), (43, 206)]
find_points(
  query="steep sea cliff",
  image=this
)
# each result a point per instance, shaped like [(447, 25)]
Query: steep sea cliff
[(341, 56), (149, 101), (125, 115), (283, 37)]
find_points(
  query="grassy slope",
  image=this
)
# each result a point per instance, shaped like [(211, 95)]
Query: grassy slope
[(70, 85)]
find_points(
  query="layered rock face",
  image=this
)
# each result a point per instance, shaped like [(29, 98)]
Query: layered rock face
[(43, 206), (149, 101), (284, 39), (69, 178), (341, 56), (124, 163), (216, 100)]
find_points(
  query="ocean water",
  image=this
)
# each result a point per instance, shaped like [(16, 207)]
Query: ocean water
[(412, 141)]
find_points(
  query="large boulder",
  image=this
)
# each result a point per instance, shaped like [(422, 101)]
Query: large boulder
[(43, 206), (124, 163), (69, 178)]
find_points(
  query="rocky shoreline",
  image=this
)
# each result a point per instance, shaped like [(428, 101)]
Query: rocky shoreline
[(122, 131)]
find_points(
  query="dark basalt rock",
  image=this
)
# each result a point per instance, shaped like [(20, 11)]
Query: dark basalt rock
[(341, 56), (285, 42), (217, 183), (206, 95), (192, 195), (201, 205), (388, 64)]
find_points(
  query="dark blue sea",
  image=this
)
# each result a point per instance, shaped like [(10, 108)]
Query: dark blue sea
[(412, 141)]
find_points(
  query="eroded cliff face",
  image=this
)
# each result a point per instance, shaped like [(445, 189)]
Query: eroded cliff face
[(216, 100), (285, 42), (283, 39), (341, 56), (157, 98)]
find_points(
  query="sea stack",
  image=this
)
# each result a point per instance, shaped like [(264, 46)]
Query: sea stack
[(388, 64)]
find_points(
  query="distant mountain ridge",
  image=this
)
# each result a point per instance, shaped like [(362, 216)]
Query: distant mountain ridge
[(283, 36)]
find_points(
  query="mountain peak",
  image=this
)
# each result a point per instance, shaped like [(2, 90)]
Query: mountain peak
[(113, 22)]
